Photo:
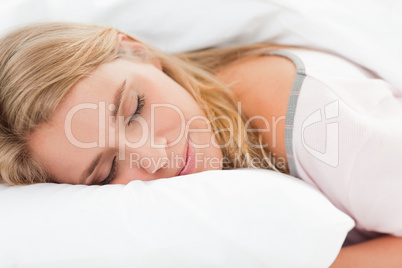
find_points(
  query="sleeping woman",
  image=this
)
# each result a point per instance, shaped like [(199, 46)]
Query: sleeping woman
[(84, 104)]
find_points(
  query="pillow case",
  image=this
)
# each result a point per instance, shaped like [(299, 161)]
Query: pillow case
[(234, 218)]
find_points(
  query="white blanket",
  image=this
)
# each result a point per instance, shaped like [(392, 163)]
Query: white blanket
[(368, 32)]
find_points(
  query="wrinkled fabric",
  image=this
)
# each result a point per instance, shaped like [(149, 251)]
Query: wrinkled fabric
[(346, 140)]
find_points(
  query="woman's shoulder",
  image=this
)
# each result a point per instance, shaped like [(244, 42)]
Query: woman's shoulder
[(265, 79), (262, 84), (256, 70)]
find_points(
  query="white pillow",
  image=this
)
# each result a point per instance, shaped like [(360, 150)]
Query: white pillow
[(235, 218)]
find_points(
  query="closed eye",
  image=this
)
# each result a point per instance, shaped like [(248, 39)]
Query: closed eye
[(112, 173), (138, 111)]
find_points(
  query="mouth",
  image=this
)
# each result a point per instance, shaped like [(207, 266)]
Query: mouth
[(189, 159)]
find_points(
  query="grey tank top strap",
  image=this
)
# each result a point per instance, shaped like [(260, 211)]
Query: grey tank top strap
[(290, 113)]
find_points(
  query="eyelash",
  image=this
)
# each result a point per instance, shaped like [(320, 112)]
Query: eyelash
[(140, 106), (112, 173), (138, 111)]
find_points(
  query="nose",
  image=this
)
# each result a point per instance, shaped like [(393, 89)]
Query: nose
[(150, 157)]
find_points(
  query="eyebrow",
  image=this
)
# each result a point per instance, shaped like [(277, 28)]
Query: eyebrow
[(117, 98), (117, 102)]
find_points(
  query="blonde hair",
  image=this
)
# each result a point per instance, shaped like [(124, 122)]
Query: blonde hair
[(40, 63)]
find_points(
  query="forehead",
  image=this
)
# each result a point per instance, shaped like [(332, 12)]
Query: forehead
[(99, 87), (77, 119), (82, 105), (102, 80)]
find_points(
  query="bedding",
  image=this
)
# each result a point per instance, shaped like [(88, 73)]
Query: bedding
[(366, 32), (233, 218)]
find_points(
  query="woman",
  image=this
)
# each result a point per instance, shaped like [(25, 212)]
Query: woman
[(51, 68), (86, 104)]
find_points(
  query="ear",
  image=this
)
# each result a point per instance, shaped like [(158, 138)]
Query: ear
[(135, 46)]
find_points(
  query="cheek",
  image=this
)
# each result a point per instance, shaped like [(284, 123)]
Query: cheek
[(168, 119), (200, 131), (135, 134)]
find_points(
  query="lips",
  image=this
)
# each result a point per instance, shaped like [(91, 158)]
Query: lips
[(189, 164)]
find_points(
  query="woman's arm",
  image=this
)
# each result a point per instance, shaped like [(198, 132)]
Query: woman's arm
[(385, 251)]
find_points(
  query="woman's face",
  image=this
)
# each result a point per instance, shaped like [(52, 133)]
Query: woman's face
[(127, 121)]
